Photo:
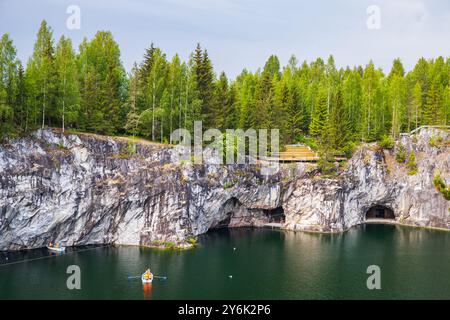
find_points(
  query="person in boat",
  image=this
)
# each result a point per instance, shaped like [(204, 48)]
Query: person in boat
[(50, 244), (57, 245), (147, 274)]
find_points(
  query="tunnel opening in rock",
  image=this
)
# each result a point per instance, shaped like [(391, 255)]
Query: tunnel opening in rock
[(225, 223), (226, 212), (380, 212), (232, 214), (275, 215)]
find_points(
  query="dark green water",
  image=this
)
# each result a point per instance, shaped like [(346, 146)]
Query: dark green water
[(267, 264)]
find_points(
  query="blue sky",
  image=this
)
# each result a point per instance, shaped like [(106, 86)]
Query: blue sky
[(243, 33)]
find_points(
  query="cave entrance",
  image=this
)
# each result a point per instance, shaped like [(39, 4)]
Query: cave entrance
[(275, 215), (224, 223), (380, 212)]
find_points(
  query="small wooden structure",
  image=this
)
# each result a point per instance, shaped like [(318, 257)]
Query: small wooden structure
[(300, 153), (297, 153)]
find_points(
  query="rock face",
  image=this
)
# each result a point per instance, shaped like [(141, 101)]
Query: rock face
[(373, 177), (88, 189)]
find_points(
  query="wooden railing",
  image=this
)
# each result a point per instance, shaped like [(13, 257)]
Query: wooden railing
[(428, 127), (298, 152)]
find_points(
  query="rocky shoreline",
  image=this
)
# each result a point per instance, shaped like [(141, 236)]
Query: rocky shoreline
[(80, 189)]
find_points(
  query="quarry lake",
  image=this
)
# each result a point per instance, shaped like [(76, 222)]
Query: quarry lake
[(245, 264)]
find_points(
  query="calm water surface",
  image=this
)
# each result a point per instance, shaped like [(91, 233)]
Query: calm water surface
[(266, 264)]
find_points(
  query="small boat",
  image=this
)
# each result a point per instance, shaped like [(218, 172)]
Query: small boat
[(145, 279), (56, 249)]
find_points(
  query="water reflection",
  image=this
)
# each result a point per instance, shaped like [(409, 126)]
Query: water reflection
[(264, 264), (147, 288)]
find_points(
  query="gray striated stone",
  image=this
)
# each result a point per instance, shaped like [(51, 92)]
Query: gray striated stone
[(88, 189)]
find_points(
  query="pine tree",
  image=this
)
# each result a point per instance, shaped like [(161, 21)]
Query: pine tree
[(446, 106), (412, 166), (205, 79), (264, 92), (331, 79), (371, 105), (352, 99), (8, 84), (175, 90), (66, 83), (272, 67), (153, 75), (20, 105), (102, 79), (132, 123), (320, 115), (91, 91), (223, 106), (397, 69), (245, 100), (338, 126), (397, 103), (416, 105), (433, 105), (283, 102), (41, 68)]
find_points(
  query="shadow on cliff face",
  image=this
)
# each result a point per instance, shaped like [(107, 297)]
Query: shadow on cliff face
[(233, 214), (380, 212), (275, 215)]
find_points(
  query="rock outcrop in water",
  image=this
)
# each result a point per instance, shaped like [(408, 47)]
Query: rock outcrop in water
[(87, 189)]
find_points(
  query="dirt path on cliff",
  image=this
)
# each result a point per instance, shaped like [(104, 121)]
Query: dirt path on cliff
[(137, 140)]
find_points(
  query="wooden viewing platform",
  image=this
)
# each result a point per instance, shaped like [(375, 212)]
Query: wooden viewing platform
[(299, 153)]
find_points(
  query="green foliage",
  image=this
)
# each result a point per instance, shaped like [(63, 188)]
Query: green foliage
[(440, 186), (325, 162), (88, 89), (310, 142), (432, 141), (102, 79), (229, 184), (9, 82), (339, 129), (400, 155), (169, 245), (349, 148), (436, 141), (387, 142), (128, 151), (67, 90), (412, 165), (192, 240), (320, 115)]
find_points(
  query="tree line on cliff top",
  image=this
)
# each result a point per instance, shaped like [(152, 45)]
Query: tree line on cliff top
[(89, 90)]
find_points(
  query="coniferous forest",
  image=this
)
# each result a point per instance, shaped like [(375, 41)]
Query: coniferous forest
[(88, 89)]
